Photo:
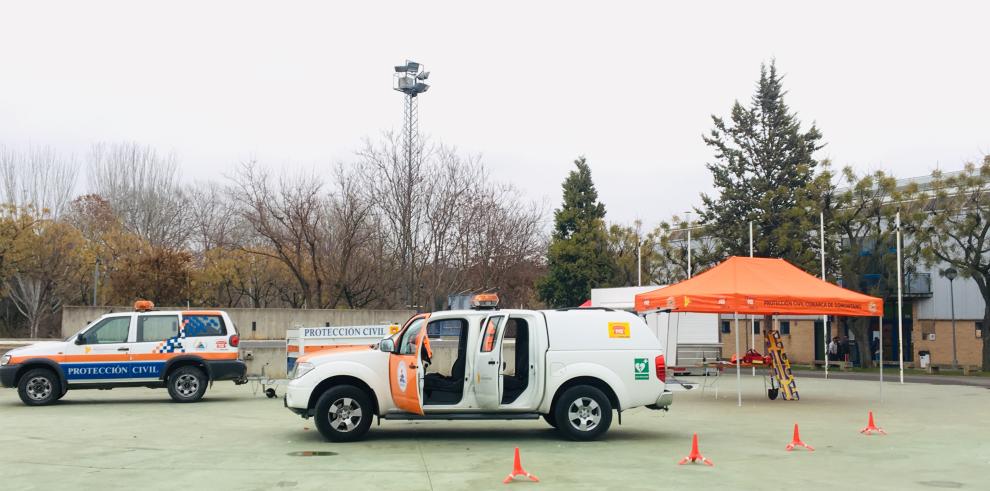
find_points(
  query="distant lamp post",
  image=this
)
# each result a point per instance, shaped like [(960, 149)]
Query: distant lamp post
[(688, 214), (951, 274)]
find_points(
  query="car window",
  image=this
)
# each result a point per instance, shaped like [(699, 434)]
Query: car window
[(109, 330), (491, 329), (445, 328), (157, 327), (203, 325), (408, 344)]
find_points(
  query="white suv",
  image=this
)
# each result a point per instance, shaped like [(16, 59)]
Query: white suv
[(181, 350), (572, 367)]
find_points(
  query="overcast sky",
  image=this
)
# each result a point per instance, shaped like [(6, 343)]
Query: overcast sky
[(528, 85)]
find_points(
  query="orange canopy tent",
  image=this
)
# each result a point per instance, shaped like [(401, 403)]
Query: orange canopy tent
[(759, 286)]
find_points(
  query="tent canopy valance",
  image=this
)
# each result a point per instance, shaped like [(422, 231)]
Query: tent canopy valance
[(759, 286)]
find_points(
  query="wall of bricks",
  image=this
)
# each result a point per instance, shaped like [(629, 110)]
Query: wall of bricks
[(799, 344), (969, 347)]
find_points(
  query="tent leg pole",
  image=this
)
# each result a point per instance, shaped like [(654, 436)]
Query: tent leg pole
[(880, 355), (752, 338), (738, 367), (825, 339)]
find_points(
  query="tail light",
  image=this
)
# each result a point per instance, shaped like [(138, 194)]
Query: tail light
[(235, 340), (661, 365)]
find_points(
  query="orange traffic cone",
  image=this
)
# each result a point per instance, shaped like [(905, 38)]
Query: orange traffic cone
[(872, 427), (796, 441), (695, 454), (517, 470)]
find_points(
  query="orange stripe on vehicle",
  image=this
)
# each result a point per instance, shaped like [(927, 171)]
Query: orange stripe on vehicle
[(339, 348), (21, 359), (310, 349), (122, 357)]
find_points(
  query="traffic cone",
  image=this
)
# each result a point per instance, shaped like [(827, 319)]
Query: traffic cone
[(517, 470), (872, 427), (695, 454), (796, 441)]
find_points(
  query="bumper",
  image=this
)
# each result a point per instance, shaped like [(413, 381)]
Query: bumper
[(297, 399), (8, 374), (299, 411), (226, 369), (664, 401)]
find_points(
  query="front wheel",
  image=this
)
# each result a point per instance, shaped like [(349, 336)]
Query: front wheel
[(39, 387), (550, 419), (343, 414), (583, 413), (187, 384)]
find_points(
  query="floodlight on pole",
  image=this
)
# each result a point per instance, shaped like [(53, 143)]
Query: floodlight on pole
[(409, 79)]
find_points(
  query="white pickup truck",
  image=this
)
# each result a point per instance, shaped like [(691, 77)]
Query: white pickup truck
[(572, 367)]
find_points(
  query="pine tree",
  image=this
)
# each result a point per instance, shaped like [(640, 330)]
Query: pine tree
[(578, 259), (764, 171)]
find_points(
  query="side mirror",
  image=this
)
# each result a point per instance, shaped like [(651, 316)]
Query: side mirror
[(387, 345), (80, 339)]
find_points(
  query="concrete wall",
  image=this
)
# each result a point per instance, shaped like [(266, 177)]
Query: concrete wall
[(255, 323)]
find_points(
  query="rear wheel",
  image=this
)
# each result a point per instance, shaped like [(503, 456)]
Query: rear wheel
[(187, 384), (343, 413), (39, 387), (550, 420), (583, 413)]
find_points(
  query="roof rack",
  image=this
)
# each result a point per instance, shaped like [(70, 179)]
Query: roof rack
[(565, 309)]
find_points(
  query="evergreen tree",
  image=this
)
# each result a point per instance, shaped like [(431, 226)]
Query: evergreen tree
[(578, 259), (764, 171)]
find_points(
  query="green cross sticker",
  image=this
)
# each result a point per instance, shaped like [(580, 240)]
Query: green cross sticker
[(641, 369)]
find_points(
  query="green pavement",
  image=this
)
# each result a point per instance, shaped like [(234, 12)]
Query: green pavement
[(938, 437)]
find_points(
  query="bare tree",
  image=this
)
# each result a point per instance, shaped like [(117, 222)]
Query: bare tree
[(395, 183), (144, 190), (39, 178), (213, 217), (289, 217)]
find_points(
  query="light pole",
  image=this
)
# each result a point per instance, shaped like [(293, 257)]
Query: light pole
[(410, 79), (688, 214), (639, 255), (96, 279), (951, 274)]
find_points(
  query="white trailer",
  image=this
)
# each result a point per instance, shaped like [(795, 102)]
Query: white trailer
[(690, 339)]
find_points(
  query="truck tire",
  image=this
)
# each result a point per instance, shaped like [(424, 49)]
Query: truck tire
[(343, 413), (583, 413), (187, 384), (39, 387), (550, 420)]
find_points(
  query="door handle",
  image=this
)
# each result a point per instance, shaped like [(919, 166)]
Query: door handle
[(414, 367), (123, 349), (492, 362)]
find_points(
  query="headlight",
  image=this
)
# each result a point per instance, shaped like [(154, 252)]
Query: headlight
[(302, 369), (5, 359)]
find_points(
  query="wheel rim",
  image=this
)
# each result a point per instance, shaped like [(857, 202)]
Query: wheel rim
[(187, 385), (345, 414), (584, 414), (38, 388)]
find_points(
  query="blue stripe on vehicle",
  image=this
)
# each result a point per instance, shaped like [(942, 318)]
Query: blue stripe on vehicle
[(101, 371)]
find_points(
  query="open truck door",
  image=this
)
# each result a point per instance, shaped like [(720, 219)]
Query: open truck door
[(489, 365), (405, 365)]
